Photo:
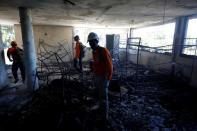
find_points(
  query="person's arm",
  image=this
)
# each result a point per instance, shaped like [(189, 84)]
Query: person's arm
[(8, 55), (108, 63)]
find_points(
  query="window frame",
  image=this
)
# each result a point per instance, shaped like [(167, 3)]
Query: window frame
[(185, 36), (160, 24)]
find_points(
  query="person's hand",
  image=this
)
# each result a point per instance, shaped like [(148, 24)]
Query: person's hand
[(11, 60), (107, 77)]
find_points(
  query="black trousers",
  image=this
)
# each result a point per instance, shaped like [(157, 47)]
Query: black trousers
[(15, 67), (78, 64)]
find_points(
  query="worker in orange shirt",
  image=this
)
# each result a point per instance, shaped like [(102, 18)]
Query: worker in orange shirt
[(79, 54), (16, 55), (102, 68)]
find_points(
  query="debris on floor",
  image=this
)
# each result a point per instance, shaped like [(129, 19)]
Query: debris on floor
[(155, 103)]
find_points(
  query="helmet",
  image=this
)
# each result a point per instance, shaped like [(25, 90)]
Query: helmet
[(93, 36), (76, 38), (13, 43)]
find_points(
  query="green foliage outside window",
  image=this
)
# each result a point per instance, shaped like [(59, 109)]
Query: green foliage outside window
[(8, 35)]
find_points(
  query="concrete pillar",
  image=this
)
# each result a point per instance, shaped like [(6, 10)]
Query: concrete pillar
[(179, 35), (29, 48), (130, 32), (180, 31), (3, 73)]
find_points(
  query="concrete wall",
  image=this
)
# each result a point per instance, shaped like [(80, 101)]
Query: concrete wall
[(187, 66), (3, 73), (149, 59), (50, 34), (155, 60), (184, 65), (194, 75)]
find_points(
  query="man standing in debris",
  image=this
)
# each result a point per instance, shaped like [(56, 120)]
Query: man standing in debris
[(102, 68), (79, 54), (16, 55)]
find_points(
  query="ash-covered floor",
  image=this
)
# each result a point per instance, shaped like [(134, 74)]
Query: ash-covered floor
[(156, 104)]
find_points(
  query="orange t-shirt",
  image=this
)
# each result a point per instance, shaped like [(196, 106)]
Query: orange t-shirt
[(102, 65), (12, 52), (77, 50)]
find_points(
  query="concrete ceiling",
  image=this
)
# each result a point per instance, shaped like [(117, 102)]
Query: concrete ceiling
[(103, 13)]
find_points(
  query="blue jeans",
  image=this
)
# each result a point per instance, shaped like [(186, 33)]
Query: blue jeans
[(102, 86), (78, 64)]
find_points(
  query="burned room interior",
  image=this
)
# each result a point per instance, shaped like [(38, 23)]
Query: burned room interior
[(152, 46)]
